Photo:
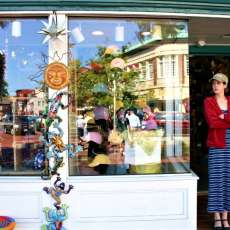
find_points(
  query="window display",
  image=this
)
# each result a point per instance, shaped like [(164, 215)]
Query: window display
[(23, 96), (127, 121)]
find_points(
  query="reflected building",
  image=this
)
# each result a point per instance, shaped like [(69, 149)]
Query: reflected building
[(29, 102), (26, 102), (5, 107), (163, 74)]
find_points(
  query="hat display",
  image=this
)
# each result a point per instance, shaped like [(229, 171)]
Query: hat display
[(220, 77), (100, 159)]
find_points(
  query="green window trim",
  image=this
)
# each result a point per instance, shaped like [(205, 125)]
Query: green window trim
[(184, 6)]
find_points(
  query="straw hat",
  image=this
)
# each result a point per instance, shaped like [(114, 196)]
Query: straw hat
[(100, 159)]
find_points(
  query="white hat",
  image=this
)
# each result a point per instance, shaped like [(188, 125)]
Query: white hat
[(220, 77)]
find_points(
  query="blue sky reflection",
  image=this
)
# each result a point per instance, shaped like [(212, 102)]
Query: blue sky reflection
[(24, 53)]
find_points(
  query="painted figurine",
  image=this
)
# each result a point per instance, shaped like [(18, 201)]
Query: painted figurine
[(54, 105), (57, 190), (55, 148), (55, 218)]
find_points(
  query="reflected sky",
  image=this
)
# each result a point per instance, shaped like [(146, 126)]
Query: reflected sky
[(133, 30), (23, 53)]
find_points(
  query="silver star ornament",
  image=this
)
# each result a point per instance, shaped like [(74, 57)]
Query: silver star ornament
[(53, 30)]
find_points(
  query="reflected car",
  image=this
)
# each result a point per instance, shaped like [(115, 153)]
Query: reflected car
[(176, 120), (22, 125)]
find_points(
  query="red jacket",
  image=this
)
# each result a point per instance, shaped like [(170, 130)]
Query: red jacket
[(217, 126)]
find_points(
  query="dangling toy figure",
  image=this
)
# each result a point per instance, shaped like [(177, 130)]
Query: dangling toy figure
[(57, 190), (55, 147), (55, 104), (56, 216)]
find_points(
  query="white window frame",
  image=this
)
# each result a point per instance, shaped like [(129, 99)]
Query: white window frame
[(149, 69), (186, 65), (167, 66)]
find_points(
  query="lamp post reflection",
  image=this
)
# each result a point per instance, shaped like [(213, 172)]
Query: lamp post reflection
[(14, 145)]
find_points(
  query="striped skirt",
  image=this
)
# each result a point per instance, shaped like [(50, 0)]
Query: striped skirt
[(219, 177)]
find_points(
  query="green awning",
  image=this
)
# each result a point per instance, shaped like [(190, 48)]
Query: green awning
[(213, 50), (165, 6)]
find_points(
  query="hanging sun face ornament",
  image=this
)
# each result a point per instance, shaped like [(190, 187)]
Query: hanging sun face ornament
[(56, 75), (53, 29)]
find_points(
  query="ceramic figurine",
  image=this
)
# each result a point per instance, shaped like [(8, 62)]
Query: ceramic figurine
[(55, 148), (57, 190), (54, 105), (55, 218)]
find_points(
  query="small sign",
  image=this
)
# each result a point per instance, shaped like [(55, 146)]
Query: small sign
[(57, 75)]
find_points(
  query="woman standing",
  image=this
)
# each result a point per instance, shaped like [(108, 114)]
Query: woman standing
[(217, 114)]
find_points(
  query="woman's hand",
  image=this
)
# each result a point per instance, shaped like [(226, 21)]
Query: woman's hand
[(221, 116)]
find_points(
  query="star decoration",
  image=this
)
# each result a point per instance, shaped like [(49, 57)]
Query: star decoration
[(53, 30)]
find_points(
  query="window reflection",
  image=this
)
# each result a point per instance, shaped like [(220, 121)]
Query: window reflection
[(131, 120), (22, 97)]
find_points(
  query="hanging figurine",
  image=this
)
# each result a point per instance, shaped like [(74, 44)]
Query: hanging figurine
[(54, 105), (57, 190), (55, 218), (55, 147), (56, 77)]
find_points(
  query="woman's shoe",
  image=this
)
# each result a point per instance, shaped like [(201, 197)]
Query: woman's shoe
[(219, 227), (225, 228)]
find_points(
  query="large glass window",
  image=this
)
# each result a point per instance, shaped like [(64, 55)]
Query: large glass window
[(23, 58), (124, 125)]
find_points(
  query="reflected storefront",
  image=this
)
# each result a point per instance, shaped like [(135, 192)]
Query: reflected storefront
[(131, 83), (143, 103)]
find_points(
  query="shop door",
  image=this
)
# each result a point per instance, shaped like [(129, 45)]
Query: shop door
[(202, 69)]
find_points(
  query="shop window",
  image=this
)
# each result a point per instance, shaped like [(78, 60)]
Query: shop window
[(23, 58), (124, 125)]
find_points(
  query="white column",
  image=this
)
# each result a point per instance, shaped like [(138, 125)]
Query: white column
[(58, 51)]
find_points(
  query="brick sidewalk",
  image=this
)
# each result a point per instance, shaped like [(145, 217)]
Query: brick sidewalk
[(204, 219)]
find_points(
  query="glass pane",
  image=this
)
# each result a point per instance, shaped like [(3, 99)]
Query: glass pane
[(22, 98), (127, 121)]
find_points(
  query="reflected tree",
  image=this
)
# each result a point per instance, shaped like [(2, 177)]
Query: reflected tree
[(95, 81), (3, 24), (3, 83)]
